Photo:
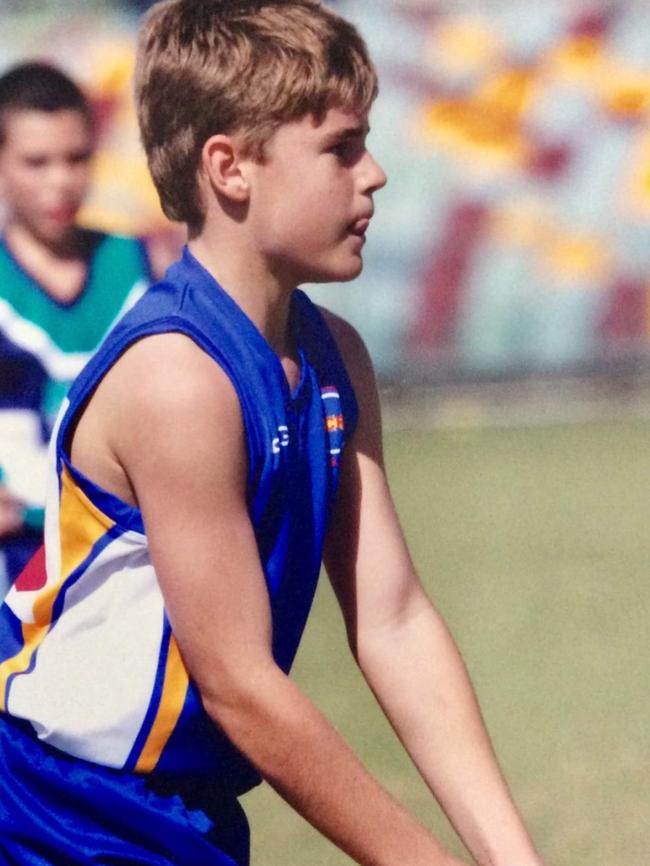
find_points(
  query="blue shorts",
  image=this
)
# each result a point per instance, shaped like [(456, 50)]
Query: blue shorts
[(56, 810)]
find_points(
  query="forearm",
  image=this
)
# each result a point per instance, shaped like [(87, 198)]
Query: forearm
[(421, 682), (308, 763)]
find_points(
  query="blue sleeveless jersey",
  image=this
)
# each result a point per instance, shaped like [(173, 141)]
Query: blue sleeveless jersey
[(87, 655)]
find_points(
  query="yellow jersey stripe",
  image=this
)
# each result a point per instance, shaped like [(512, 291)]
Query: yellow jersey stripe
[(172, 699), (32, 636), (81, 525)]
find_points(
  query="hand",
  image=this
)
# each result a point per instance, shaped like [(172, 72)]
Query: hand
[(11, 513)]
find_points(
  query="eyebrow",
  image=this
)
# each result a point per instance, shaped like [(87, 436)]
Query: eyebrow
[(348, 132)]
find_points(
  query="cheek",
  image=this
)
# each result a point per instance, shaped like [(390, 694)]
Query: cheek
[(23, 188), (297, 215), (82, 178), (314, 226)]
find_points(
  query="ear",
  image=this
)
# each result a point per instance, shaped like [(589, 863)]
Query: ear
[(222, 165)]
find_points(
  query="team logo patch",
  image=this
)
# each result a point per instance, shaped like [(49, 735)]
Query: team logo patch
[(334, 423), (281, 440)]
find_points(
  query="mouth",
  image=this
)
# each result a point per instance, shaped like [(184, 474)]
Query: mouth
[(64, 214), (359, 227)]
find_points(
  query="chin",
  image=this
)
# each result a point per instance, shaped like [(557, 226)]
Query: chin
[(352, 272), (340, 273), (57, 237)]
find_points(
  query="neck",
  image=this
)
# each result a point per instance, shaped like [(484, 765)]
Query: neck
[(60, 271), (261, 294)]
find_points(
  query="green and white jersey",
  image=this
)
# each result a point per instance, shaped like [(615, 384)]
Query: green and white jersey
[(45, 343)]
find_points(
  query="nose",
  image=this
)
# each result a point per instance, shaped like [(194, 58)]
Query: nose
[(374, 177), (65, 178), (58, 175)]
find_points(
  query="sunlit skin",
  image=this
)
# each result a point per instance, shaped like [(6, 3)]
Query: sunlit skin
[(323, 172), (45, 166), (298, 215)]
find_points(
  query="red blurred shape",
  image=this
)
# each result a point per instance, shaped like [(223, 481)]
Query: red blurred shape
[(595, 23), (548, 162), (625, 315), (33, 575), (442, 281)]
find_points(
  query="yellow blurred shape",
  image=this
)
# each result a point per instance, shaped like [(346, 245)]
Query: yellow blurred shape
[(521, 224), (123, 198), (463, 46), (625, 92), (564, 255), (570, 258), (578, 57), (635, 197), (488, 122), (112, 68), (583, 59), (508, 92)]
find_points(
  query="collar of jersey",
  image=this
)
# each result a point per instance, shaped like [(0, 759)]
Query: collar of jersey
[(189, 269)]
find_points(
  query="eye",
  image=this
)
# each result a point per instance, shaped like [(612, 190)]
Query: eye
[(340, 150), (80, 158), (347, 151), (35, 161)]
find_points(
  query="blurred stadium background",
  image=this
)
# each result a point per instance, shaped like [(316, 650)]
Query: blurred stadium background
[(511, 242), (505, 300)]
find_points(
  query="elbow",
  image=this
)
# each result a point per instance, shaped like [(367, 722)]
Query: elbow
[(377, 645), (241, 702), (230, 711), (262, 715)]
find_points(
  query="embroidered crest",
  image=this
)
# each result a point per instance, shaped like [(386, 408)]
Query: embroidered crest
[(334, 423)]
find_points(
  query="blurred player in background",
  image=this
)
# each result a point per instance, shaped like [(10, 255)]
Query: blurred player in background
[(61, 286), (223, 439)]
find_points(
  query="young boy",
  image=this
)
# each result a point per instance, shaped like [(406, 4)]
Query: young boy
[(61, 287), (225, 436)]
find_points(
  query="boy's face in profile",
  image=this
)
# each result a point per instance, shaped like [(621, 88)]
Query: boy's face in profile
[(312, 197), (45, 164)]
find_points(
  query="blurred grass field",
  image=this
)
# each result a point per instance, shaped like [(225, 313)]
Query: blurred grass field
[(535, 544)]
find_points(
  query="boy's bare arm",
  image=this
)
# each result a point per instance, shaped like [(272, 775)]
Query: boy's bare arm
[(403, 647), (172, 422)]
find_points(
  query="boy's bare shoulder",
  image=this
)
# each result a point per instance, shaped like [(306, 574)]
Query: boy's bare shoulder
[(164, 402), (171, 370), (171, 388)]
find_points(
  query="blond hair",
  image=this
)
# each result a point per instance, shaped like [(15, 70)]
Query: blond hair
[(238, 66)]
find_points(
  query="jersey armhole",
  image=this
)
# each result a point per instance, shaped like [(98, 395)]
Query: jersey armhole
[(125, 515)]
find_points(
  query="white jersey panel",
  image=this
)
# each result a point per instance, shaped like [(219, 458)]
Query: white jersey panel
[(93, 678)]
